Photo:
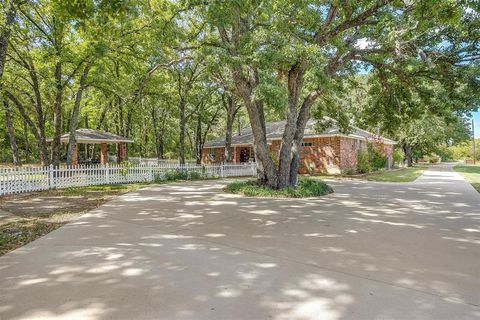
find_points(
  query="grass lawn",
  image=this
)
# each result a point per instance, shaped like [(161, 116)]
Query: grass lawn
[(26, 217), (471, 173), (306, 188), (397, 175), (400, 175)]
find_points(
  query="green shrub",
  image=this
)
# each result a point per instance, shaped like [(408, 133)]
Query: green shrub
[(363, 161), (159, 177), (377, 159), (125, 166), (445, 154), (306, 188), (370, 159), (349, 171), (434, 158), (194, 175), (179, 174), (398, 156)]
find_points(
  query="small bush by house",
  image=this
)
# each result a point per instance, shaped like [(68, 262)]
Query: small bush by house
[(370, 159), (363, 162)]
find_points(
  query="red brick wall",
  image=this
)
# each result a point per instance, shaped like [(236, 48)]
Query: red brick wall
[(326, 155), (322, 157), (219, 155), (348, 153)]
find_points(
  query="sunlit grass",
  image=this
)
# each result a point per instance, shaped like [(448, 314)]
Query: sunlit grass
[(471, 173), (306, 188), (401, 175)]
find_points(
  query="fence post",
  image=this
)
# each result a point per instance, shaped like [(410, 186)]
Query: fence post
[(150, 173), (51, 182), (107, 173), (253, 168), (3, 183), (222, 174)]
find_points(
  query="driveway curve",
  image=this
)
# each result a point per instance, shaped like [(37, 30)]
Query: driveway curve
[(189, 251)]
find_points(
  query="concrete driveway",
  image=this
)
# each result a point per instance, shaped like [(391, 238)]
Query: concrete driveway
[(188, 251)]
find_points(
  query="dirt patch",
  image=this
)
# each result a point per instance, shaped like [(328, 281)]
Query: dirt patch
[(49, 203), (26, 217)]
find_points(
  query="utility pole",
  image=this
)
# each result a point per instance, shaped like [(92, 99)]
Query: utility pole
[(473, 139)]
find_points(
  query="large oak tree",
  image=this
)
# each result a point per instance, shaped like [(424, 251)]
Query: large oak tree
[(302, 48)]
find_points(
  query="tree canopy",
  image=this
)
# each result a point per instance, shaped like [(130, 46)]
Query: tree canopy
[(172, 74)]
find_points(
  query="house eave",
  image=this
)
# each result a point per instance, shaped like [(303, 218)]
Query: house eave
[(270, 140)]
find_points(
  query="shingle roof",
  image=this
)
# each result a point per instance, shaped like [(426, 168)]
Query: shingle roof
[(275, 131), (93, 136)]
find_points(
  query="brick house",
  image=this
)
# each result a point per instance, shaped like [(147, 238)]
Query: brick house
[(330, 151)]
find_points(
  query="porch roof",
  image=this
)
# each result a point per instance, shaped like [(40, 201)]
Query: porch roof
[(93, 136)]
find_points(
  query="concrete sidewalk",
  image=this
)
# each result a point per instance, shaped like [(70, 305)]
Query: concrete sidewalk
[(189, 251)]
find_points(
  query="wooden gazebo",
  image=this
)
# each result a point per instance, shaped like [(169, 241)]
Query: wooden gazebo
[(93, 136)]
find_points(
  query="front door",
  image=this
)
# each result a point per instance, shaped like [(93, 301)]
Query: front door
[(244, 154)]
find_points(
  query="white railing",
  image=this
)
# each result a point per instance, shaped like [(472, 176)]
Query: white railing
[(149, 161), (22, 179)]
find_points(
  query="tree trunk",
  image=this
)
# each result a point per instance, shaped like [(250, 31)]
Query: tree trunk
[(408, 151), (27, 142), (292, 126), (302, 120), (228, 139), (160, 146), (198, 141), (40, 127), (11, 132), (158, 132), (75, 114), (231, 108), (38, 131), (266, 171), (5, 35), (57, 115), (181, 142)]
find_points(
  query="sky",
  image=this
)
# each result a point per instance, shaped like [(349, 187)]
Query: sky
[(476, 119)]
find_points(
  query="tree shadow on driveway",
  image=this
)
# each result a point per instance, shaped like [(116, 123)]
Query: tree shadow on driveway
[(189, 251)]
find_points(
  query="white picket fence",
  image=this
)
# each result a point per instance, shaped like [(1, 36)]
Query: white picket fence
[(18, 180), (150, 161)]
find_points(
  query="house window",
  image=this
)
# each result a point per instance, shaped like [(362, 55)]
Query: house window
[(307, 144), (212, 154)]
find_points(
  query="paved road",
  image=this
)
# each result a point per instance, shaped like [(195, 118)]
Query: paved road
[(187, 251)]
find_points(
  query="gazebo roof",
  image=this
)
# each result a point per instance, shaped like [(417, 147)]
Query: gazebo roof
[(93, 136)]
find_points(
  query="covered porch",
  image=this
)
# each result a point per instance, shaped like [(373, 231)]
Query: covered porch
[(97, 137), (243, 153)]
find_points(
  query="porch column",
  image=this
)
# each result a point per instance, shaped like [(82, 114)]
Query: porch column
[(75, 155), (122, 152), (234, 154), (103, 153)]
